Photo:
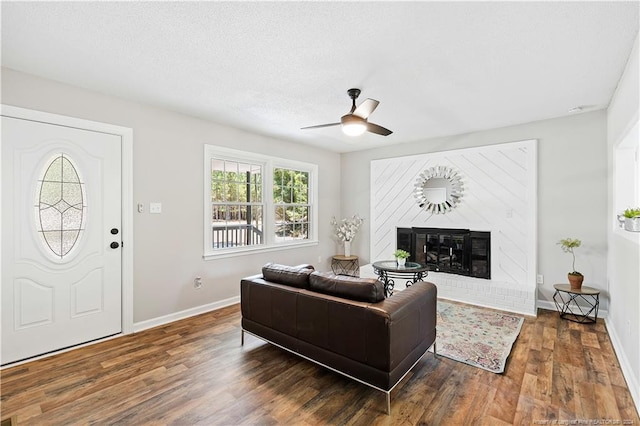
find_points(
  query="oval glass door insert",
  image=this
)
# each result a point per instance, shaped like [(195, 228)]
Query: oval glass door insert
[(61, 207)]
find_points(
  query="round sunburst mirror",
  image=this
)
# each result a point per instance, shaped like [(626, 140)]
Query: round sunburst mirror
[(438, 189)]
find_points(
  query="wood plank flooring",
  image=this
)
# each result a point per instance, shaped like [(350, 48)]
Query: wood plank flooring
[(194, 372)]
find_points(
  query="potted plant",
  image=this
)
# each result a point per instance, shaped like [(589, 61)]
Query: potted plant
[(632, 219), (568, 245), (401, 256)]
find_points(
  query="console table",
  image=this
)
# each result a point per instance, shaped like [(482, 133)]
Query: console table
[(345, 265), (387, 270), (567, 298)]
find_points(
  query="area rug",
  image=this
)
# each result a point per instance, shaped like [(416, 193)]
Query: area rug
[(476, 336)]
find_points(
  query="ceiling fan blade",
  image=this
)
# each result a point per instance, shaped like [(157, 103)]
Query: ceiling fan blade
[(366, 108), (378, 130), (320, 125)]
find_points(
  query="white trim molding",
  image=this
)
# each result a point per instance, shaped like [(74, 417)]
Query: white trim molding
[(268, 164), (625, 365), (187, 313), (126, 135), (550, 306)]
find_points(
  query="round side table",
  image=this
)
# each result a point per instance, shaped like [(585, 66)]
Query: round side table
[(345, 265), (567, 298)]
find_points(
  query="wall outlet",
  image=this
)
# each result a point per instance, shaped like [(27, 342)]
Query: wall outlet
[(539, 279), (140, 208), (197, 283)]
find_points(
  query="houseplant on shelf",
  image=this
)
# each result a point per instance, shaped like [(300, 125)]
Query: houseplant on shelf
[(568, 245), (632, 219), (346, 230), (401, 256)]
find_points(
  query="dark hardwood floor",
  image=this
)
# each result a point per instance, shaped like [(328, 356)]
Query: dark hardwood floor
[(194, 371)]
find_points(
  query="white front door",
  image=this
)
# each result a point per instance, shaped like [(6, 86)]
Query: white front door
[(61, 237)]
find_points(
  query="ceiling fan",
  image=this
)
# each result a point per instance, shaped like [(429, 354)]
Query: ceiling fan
[(355, 122)]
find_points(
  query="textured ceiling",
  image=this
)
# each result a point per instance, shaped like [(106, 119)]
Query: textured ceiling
[(437, 68)]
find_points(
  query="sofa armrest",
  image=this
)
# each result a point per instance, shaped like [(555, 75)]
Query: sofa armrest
[(411, 317), (412, 297)]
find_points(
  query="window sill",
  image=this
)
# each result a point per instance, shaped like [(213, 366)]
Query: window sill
[(222, 254), (634, 237)]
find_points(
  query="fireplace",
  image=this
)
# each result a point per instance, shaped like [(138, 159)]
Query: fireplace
[(454, 251)]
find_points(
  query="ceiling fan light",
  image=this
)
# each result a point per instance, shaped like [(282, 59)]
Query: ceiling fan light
[(354, 129), (353, 125)]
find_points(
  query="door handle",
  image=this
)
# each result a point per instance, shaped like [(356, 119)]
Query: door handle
[(115, 245)]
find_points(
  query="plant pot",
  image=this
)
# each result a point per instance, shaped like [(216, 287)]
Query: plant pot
[(401, 261), (632, 224), (575, 281)]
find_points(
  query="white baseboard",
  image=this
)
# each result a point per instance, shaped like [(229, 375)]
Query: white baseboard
[(625, 366), (550, 306), (139, 326), (484, 305), (166, 319)]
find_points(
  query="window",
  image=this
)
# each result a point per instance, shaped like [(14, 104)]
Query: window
[(256, 202), (291, 203), (236, 203), (60, 206)]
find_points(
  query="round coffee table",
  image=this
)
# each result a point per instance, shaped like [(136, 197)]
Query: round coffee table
[(387, 270)]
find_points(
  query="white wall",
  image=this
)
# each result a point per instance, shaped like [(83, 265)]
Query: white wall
[(499, 196), (623, 321), (572, 191), (167, 157)]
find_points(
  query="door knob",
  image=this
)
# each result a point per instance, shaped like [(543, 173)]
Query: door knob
[(115, 245), (114, 231)]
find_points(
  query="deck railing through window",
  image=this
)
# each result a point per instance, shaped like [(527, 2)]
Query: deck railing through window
[(235, 235)]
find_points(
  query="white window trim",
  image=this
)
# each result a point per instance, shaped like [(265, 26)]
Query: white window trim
[(627, 147), (269, 163)]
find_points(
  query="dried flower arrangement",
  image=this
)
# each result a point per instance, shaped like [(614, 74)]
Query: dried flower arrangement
[(347, 228)]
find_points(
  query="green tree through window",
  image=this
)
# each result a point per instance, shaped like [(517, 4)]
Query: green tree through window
[(236, 203), (291, 203), (255, 201)]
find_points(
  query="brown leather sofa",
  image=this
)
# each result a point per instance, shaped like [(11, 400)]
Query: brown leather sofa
[(341, 322)]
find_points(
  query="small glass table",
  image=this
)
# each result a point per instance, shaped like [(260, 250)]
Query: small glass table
[(567, 298), (387, 270)]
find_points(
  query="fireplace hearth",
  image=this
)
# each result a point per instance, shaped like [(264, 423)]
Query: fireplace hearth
[(454, 251)]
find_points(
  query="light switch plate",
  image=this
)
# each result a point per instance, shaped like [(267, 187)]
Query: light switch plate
[(155, 208)]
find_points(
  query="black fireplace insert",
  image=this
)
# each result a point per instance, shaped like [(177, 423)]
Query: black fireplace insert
[(455, 251)]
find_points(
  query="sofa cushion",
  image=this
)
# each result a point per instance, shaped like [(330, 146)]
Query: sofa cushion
[(354, 288), (295, 276)]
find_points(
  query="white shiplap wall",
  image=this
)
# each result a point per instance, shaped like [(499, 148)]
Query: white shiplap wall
[(499, 196)]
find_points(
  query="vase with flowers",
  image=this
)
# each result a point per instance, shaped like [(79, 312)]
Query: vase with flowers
[(346, 230)]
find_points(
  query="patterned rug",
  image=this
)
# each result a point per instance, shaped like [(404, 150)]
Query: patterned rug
[(476, 336)]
